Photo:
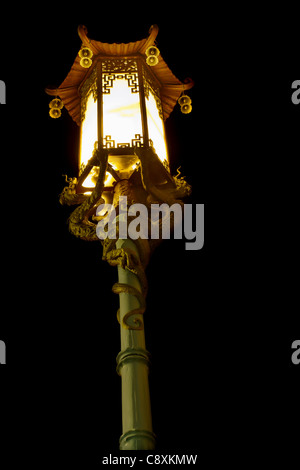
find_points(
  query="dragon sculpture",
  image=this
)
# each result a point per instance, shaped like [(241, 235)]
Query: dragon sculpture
[(151, 182)]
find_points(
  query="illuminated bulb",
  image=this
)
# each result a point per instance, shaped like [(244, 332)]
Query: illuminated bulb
[(152, 60), (184, 99), (85, 62), (55, 113)]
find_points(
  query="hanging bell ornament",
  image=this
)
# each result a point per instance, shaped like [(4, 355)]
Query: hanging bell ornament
[(186, 108), (152, 50), (85, 62), (184, 99), (56, 104), (185, 104), (152, 60), (152, 54), (85, 52), (55, 113), (85, 55)]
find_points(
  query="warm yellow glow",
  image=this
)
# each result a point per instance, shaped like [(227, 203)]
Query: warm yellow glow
[(88, 136), (121, 112), (122, 126), (156, 128), (109, 179)]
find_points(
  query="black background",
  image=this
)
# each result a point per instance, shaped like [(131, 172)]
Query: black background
[(220, 321)]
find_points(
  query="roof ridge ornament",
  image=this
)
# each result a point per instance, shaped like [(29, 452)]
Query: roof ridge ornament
[(82, 33), (153, 32)]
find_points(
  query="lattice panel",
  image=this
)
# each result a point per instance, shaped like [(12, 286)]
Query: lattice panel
[(109, 143), (108, 81)]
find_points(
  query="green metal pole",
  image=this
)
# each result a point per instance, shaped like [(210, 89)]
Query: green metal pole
[(133, 367)]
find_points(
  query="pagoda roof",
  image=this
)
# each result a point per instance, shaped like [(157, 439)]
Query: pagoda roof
[(170, 86)]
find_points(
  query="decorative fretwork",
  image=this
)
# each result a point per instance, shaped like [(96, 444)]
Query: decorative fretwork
[(119, 65), (89, 86), (109, 143), (123, 146), (133, 81), (138, 141), (108, 81)]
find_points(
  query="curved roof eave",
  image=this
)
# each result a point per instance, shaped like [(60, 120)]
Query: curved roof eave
[(171, 86)]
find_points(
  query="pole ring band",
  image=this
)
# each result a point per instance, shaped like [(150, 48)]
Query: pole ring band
[(147, 438), (130, 355)]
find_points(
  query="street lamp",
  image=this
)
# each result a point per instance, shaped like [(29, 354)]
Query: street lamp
[(120, 95)]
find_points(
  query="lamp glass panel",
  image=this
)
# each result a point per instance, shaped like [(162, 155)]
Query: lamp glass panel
[(156, 127), (89, 136), (121, 109)]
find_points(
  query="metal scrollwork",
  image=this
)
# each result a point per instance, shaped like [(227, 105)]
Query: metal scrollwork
[(133, 82), (119, 65), (108, 142), (116, 69), (108, 81)]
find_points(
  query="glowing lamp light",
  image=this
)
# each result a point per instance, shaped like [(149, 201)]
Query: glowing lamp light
[(120, 101), (120, 111)]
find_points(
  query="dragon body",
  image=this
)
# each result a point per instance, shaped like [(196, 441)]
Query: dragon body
[(154, 183)]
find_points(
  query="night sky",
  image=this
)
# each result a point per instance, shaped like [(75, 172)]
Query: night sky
[(219, 321)]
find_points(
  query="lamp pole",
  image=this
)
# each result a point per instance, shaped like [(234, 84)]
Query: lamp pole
[(121, 104), (133, 367), (133, 359)]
